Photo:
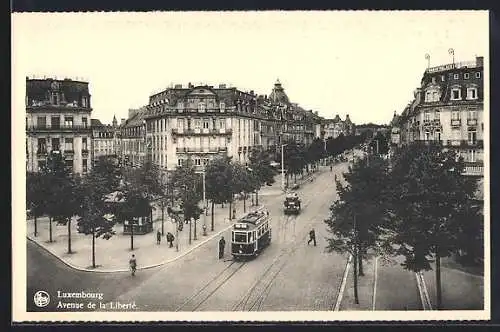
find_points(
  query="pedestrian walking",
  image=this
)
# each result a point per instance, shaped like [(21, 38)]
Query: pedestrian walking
[(312, 237), (170, 239), (133, 264), (222, 244), (331, 167), (158, 237), (335, 177)]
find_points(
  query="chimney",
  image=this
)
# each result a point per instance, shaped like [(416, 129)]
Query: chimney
[(178, 86), (190, 86), (122, 122), (252, 92), (479, 61), (222, 86)]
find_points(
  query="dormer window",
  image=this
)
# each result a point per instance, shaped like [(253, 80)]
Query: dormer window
[(472, 93), (466, 76), (456, 94), (455, 76), (442, 78), (478, 75), (201, 107), (432, 95), (433, 80), (222, 106)]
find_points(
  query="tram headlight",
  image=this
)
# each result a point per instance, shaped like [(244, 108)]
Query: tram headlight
[(240, 251)]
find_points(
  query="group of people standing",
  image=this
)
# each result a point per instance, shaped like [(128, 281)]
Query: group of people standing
[(169, 236)]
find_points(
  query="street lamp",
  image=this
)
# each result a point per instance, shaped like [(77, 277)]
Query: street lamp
[(283, 166)]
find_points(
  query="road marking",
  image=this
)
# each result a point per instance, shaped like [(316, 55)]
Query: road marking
[(343, 284), (374, 300), (422, 290)]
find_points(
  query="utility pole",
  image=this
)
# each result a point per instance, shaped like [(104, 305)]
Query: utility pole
[(283, 167)]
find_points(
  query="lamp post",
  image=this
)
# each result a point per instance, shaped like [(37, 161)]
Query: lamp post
[(283, 167)]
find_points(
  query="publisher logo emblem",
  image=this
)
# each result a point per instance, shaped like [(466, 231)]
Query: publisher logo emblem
[(41, 299)]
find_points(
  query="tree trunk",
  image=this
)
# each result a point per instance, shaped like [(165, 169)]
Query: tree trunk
[(213, 206), (257, 198), (230, 204), (93, 247), (69, 236), (245, 203), (438, 281), (195, 230), (50, 228), (360, 260), (162, 219), (131, 236), (36, 227), (189, 231), (355, 256)]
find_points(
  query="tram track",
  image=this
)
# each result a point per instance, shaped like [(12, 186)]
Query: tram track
[(207, 291)]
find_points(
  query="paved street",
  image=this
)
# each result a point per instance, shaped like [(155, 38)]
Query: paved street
[(288, 275)]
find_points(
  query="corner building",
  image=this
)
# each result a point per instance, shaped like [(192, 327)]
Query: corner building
[(58, 119), (201, 123), (448, 109)]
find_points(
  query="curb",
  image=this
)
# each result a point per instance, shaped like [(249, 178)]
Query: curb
[(207, 239)]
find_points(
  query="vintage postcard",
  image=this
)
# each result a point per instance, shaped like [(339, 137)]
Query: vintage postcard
[(250, 166)]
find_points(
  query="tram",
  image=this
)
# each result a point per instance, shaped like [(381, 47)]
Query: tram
[(251, 234)]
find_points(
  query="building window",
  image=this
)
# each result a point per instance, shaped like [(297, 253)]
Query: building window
[(222, 107), (201, 107), (456, 94), (197, 162), (472, 156), (442, 78), (84, 122), (455, 115), (455, 76), (205, 123), (471, 115), (55, 99), (471, 136), (180, 162), (68, 144), (42, 145), (478, 75), (471, 93), (222, 123), (180, 124), (197, 124), (68, 163), (189, 124), (84, 143), (56, 145), (84, 101), (41, 121), (427, 135), (438, 136), (427, 116), (466, 76), (433, 80), (68, 121), (84, 165)]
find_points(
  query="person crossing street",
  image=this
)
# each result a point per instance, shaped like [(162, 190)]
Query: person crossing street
[(312, 237), (133, 264), (222, 244)]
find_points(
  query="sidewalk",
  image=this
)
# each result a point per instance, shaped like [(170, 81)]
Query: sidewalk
[(112, 255), (396, 288)]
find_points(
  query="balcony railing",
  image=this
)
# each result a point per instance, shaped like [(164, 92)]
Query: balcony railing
[(58, 128), (201, 150), (472, 122), (204, 131), (456, 122), (465, 143), (474, 168)]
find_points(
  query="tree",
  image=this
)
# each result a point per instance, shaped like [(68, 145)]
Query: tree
[(35, 196), (185, 179), (430, 204), (294, 158), (92, 191), (380, 143), (218, 180), (357, 220), (261, 170), (136, 205), (58, 189)]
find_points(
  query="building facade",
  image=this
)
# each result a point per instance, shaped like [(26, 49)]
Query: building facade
[(105, 140), (132, 137), (58, 119), (448, 109), (336, 126)]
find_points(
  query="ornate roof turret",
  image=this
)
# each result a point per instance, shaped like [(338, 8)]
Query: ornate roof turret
[(278, 94)]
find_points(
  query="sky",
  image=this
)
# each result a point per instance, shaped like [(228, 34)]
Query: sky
[(365, 64)]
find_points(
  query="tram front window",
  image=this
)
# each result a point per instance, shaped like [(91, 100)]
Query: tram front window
[(240, 237)]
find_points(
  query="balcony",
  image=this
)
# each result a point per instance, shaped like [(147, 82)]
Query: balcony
[(58, 128), (201, 132), (68, 152), (465, 143), (41, 153), (474, 168), (85, 152), (456, 123), (472, 122), (200, 150)]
